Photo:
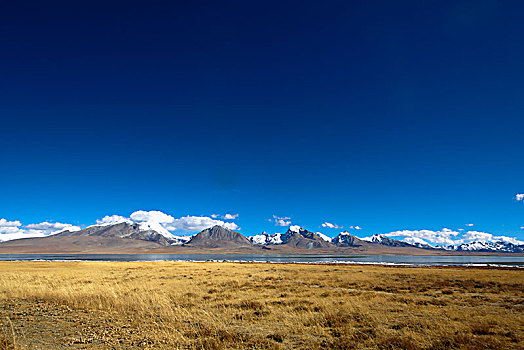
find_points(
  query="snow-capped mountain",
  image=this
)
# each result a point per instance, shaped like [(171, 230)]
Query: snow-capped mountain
[(295, 236), (391, 242), (298, 237), (324, 237), (477, 246), (129, 231), (499, 246), (266, 239), (345, 239), (147, 235)]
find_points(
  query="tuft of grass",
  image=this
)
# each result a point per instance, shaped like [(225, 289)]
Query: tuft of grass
[(8, 341)]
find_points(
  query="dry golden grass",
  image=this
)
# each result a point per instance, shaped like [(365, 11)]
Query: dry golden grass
[(226, 305)]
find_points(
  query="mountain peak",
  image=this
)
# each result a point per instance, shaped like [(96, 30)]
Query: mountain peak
[(301, 238), (266, 239), (345, 239), (218, 236), (295, 228)]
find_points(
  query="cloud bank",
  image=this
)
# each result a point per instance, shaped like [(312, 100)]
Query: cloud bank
[(113, 219), (165, 223), (10, 230), (447, 236)]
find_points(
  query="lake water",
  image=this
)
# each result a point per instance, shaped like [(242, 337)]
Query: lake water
[(458, 260)]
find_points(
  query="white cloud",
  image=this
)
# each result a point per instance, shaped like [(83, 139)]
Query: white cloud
[(449, 237), (469, 225), (330, 225), (113, 219), (443, 236), (478, 236), (355, 227), (522, 227), (48, 228), (5, 223), (519, 196), (152, 216), (225, 216), (506, 239), (18, 234), (230, 216), (9, 227), (198, 223), (164, 223), (281, 220), (414, 240), (10, 230), (230, 225), (488, 237)]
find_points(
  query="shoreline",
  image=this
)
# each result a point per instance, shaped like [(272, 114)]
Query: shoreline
[(482, 266)]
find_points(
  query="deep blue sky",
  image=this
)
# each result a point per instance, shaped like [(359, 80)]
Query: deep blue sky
[(385, 114)]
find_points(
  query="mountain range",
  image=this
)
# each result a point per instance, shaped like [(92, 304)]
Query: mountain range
[(131, 237)]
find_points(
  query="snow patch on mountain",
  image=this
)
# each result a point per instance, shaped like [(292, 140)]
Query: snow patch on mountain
[(266, 239), (295, 228), (417, 242), (179, 240), (324, 237), (155, 226), (374, 238)]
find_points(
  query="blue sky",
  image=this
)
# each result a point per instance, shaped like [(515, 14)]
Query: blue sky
[(384, 115)]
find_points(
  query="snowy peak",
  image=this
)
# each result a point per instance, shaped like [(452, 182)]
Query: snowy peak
[(373, 239), (154, 226), (277, 238), (390, 242), (298, 237), (266, 239), (324, 237), (295, 228), (345, 239), (500, 246)]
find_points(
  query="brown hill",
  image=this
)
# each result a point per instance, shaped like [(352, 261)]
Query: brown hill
[(77, 245), (218, 237)]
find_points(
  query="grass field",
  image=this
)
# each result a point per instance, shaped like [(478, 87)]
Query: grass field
[(59, 305)]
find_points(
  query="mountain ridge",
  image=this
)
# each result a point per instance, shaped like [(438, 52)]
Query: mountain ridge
[(136, 236), (126, 231)]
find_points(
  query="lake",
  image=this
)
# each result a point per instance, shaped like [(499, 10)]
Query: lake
[(454, 260)]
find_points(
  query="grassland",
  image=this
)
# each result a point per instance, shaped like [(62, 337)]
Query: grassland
[(169, 305)]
